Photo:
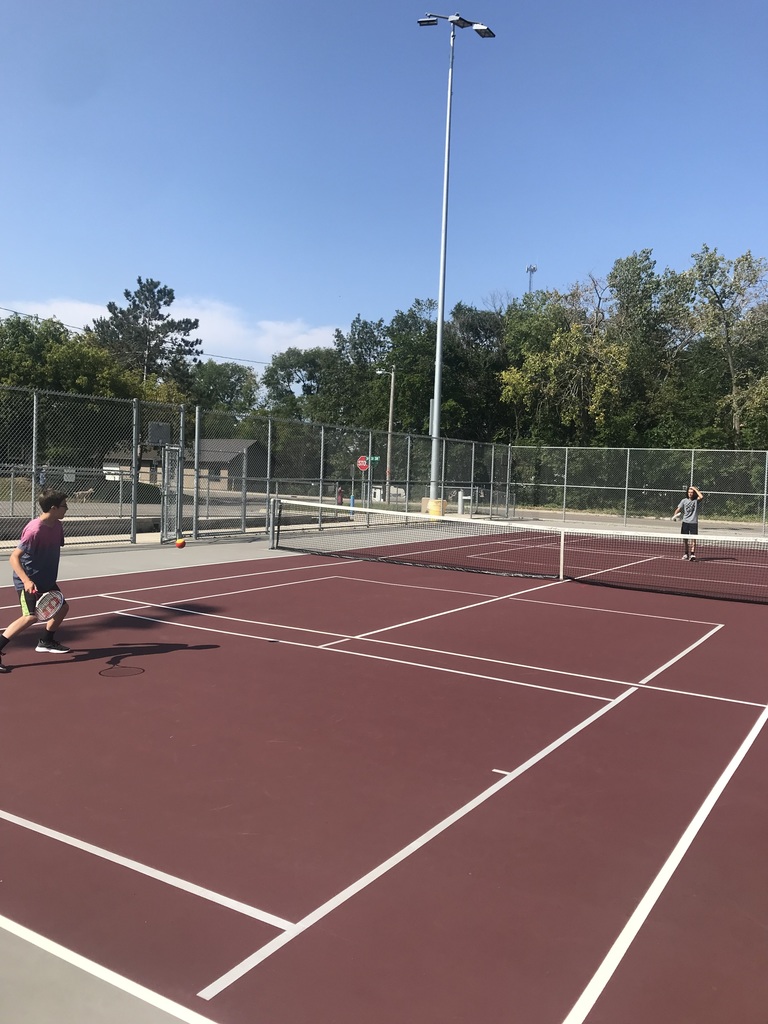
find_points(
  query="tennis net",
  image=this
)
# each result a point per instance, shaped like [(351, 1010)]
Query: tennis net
[(728, 568)]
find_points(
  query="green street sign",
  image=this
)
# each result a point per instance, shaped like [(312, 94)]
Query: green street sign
[(375, 458)]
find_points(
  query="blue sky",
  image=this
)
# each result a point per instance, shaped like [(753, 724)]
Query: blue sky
[(280, 165)]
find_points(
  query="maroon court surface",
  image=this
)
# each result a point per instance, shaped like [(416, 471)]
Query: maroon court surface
[(310, 791)]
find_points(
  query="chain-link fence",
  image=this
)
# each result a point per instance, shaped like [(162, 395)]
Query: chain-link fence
[(132, 468)]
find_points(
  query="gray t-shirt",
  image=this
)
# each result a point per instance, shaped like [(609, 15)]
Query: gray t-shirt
[(690, 509)]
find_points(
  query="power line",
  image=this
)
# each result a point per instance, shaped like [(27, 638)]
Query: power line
[(80, 330), (36, 316), (236, 359)]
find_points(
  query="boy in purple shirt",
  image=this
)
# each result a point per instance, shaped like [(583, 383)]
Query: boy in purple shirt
[(35, 564)]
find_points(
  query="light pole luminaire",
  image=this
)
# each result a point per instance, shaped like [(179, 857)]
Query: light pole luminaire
[(455, 21)]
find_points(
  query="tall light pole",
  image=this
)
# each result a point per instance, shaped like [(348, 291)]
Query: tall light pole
[(455, 21), (530, 271), (389, 431)]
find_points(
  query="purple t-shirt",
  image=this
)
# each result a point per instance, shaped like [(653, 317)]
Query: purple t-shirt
[(41, 546)]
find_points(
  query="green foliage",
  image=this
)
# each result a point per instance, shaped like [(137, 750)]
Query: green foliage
[(642, 359), (145, 340), (225, 386), (45, 354)]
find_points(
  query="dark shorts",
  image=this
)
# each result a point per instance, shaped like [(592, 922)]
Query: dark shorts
[(28, 601), (690, 528)]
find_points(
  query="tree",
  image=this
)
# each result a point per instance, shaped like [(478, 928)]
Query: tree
[(294, 379), (73, 427), (45, 354), (475, 355), (727, 290), (144, 339), (224, 386), (650, 320)]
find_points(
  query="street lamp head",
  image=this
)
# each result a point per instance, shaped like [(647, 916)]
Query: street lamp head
[(456, 21), (459, 22)]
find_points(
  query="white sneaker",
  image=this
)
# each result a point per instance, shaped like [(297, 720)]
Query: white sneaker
[(685, 558)]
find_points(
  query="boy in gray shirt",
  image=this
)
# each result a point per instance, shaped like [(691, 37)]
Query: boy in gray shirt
[(689, 509)]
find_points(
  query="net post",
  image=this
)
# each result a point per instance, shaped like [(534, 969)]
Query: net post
[(562, 553), (274, 504)]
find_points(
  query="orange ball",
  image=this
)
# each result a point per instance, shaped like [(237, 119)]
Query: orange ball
[(181, 543)]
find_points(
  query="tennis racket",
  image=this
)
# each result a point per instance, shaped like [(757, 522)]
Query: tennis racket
[(48, 604)]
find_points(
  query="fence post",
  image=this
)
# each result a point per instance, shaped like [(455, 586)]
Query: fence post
[(765, 489), (442, 474), (244, 492), (322, 461), (180, 473), (472, 495), (408, 473), (491, 481), (269, 462), (370, 471), (35, 410), (196, 485), (626, 487), (509, 472), (135, 469), (565, 482), (693, 456)]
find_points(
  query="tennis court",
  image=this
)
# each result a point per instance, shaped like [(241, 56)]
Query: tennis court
[(297, 789)]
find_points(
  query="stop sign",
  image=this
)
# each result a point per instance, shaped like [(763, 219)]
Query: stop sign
[(362, 463)]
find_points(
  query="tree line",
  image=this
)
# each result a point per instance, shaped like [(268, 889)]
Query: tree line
[(641, 358)]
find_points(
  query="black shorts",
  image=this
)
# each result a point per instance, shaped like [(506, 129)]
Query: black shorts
[(690, 528), (28, 601)]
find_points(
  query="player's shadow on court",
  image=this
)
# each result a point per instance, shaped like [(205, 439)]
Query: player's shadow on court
[(113, 658)]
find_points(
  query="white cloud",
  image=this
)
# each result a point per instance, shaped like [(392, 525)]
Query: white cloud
[(225, 331)]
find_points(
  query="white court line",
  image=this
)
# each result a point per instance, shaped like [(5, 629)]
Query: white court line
[(205, 579), (373, 657), (613, 611), (682, 654), (143, 869), (479, 675), (617, 568), (184, 583), (408, 586), (461, 608), (607, 968), (475, 657), (215, 615), (104, 974), (334, 649), (267, 950)]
